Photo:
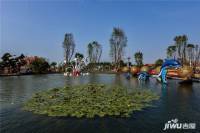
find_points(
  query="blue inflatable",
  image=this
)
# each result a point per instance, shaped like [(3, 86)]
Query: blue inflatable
[(168, 63), (143, 76)]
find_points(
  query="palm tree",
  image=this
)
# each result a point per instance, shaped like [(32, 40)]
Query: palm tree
[(190, 49), (139, 58), (171, 50), (181, 43), (177, 40), (196, 56), (184, 41)]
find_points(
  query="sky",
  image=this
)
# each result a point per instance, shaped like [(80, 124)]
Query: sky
[(37, 27)]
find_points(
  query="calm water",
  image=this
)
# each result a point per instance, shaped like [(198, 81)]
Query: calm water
[(176, 101)]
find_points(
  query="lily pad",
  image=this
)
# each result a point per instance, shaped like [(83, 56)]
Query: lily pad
[(89, 100)]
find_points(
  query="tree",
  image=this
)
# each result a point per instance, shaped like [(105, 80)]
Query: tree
[(171, 50), (6, 57), (181, 43), (53, 64), (139, 58), (40, 65), (7, 61), (158, 62), (79, 56), (90, 52), (1, 65), (94, 52), (20, 62), (196, 56), (12, 63), (69, 46), (118, 42), (190, 52)]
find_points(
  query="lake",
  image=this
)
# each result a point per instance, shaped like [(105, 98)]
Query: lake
[(181, 101)]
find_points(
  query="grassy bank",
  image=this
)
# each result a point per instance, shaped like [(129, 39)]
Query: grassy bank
[(89, 100)]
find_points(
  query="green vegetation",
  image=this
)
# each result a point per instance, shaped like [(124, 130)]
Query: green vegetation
[(186, 53), (158, 62), (89, 100), (79, 56), (12, 62), (139, 58), (171, 51), (39, 65)]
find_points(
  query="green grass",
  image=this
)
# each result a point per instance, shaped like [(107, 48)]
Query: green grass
[(89, 100)]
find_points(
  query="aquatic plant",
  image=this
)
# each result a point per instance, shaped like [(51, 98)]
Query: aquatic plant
[(89, 100)]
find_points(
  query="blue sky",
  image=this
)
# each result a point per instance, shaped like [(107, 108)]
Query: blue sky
[(38, 27)]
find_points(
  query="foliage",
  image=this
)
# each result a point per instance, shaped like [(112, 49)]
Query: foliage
[(171, 50), (79, 56), (104, 66), (12, 62), (158, 62), (89, 100), (181, 43), (122, 64), (40, 65), (69, 46), (139, 58), (53, 64), (69, 69), (196, 57), (6, 57), (188, 54), (94, 51), (118, 42)]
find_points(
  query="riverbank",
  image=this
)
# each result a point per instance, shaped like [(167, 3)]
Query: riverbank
[(24, 74), (193, 79)]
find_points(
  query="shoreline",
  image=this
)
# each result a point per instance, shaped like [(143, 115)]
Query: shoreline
[(193, 79), (17, 74)]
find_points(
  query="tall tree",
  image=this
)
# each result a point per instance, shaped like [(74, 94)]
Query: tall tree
[(90, 52), (184, 41), (190, 50), (181, 43), (139, 58), (94, 52), (171, 50), (69, 46), (196, 56), (118, 42)]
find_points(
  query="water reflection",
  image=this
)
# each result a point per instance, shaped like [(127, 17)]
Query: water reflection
[(185, 89)]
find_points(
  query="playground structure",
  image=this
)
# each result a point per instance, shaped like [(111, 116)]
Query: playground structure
[(75, 68), (171, 68), (166, 65)]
